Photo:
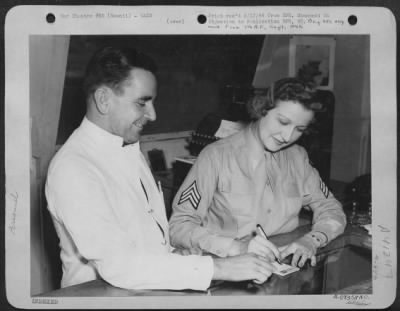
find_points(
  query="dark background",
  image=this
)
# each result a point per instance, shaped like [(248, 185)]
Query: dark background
[(5, 5), (187, 65)]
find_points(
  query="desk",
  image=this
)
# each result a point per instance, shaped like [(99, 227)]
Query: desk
[(343, 266)]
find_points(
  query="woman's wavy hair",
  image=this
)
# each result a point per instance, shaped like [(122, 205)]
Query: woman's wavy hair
[(286, 89)]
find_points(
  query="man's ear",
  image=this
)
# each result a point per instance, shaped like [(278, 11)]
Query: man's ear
[(102, 99)]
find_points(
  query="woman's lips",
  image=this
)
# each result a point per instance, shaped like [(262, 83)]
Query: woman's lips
[(279, 142)]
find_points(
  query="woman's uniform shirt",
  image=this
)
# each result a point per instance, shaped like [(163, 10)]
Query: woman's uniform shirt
[(110, 217), (235, 184)]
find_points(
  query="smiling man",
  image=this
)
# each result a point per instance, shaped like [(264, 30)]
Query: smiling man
[(258, 176), (106, 208)]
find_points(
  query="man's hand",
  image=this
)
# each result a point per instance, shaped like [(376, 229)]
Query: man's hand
[(242, 268), (257, 245), (302, 250)]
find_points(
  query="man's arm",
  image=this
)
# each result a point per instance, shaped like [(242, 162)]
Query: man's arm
[(77, 198), (243, 267)]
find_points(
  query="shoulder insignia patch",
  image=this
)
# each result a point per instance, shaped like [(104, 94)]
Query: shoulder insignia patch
[(324, 188), (192, 195)]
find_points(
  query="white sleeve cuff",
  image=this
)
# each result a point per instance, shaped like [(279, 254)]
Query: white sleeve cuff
[(202, 272)]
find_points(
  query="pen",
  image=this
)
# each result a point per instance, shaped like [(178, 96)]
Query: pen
[(262, 232)]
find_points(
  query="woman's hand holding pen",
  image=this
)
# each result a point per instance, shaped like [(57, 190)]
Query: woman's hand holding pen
[(263, 238), (263, 247)]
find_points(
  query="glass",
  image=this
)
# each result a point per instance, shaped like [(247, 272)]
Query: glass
[(334, 273)]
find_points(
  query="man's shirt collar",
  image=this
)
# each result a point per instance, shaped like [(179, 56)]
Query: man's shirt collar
[(104, 138)]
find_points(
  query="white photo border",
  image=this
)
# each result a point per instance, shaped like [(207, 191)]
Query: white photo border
[(18, 145)]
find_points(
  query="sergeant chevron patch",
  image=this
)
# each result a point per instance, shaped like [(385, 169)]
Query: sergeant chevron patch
[(323, 188), (192, 195)]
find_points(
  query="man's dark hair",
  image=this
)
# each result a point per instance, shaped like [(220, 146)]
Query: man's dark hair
[(111, 66)]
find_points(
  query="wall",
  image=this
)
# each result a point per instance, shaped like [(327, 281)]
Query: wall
[(192, 72), (273, 63), (351, 138), (48, 56), (352, 115)]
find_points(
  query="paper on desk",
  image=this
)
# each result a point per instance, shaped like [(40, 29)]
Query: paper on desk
[(284, 269), (228, 128)]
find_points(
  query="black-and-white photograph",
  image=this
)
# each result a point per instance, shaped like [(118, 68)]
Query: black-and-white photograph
[(199, 165)]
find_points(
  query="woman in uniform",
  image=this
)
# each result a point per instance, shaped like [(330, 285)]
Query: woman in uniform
[(258, 176)]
